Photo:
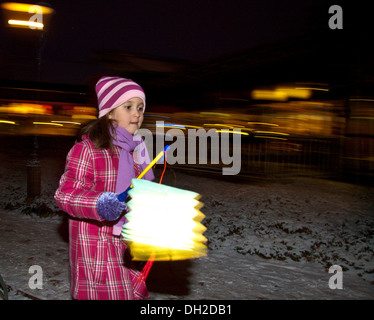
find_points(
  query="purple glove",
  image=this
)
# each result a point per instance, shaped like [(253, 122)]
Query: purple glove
[(109, 207)]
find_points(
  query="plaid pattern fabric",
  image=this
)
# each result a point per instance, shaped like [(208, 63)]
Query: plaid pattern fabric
[(97, 258)]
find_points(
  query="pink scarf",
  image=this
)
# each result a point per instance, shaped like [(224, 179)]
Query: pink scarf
[(126, 172)]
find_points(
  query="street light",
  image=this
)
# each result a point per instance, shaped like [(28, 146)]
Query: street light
[(23, 15), (33, 17)]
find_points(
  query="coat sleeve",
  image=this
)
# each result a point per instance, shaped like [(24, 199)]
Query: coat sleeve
[(76, 194)]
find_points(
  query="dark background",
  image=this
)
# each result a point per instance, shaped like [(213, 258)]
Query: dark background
[(217, 45)]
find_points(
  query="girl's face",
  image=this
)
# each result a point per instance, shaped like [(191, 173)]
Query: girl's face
[(129, 115)]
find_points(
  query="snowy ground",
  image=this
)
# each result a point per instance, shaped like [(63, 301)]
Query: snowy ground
[(271, 239)]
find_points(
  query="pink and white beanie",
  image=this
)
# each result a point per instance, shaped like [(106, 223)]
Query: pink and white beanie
[(113, 91)]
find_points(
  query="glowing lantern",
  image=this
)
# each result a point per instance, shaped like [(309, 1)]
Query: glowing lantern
[(164, 223)]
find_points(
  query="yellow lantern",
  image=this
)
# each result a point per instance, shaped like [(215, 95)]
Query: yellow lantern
[(164, 223)]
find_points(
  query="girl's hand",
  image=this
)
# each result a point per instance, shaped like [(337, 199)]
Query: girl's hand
[(109, 207)]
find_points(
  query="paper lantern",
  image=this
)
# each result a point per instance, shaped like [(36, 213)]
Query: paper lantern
[(164, 223)]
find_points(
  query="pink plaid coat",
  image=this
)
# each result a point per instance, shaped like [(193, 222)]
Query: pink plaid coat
[(97, 258)]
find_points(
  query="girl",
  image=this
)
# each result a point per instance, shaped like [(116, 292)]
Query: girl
[(98, 168)]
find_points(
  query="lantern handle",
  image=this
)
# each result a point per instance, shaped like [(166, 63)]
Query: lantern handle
[(122, 196)]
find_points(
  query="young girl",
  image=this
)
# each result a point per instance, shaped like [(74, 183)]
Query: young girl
[(97, 169)]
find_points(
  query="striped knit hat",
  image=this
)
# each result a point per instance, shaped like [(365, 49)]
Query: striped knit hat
[(113, 91)]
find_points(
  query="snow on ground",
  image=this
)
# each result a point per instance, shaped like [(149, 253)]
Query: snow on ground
[(271, 239)]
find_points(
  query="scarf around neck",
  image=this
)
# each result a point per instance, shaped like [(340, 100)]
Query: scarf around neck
[(128, 145), (130, 149)]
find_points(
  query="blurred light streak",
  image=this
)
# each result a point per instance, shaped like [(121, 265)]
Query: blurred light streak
[(48, 123), (178, 126), (78, 110), (268, 137), (215, 114), (272, 132), (280, 94), (233, 132), (170, 125), (246, 129), (26, 108), (191, 126), (311, 88), (29, 24), (53, 117), (297, 93), (269, 95), (83, 116), (264, 123), (66, 122), (7, 122), (230, 126)]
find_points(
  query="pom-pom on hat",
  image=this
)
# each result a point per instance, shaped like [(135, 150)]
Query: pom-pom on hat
[(113, 91)]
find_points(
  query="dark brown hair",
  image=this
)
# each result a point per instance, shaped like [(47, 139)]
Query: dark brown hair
[(98, 131)]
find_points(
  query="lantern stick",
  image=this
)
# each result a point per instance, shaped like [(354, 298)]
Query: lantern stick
[(158, 157), (122, 196)]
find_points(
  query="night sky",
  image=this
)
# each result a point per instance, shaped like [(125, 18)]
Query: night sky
[(182, 29), (188, 30)]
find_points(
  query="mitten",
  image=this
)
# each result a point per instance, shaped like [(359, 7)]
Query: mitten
[(109, 207)]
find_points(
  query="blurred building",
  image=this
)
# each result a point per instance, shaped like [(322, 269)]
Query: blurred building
[(302, 104)]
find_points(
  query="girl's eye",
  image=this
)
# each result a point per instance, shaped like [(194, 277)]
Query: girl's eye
[(141, 109)]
